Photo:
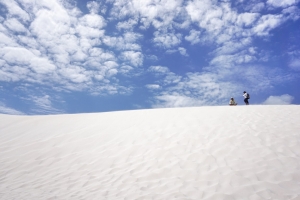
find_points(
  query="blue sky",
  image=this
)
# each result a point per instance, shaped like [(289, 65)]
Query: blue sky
[(77, 56)]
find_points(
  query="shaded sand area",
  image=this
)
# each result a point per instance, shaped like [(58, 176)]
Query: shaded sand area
[(242, 152)]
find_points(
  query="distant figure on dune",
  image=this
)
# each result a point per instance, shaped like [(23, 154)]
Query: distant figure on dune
[(232, 102), (246, 97)]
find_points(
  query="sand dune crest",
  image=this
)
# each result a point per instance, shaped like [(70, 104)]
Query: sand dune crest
[(243, 152)]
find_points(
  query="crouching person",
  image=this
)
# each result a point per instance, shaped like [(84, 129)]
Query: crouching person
[(232, 102)]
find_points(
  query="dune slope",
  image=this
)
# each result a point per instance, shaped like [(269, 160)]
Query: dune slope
[(242, 152)]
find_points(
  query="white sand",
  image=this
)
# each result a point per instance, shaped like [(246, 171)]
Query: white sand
[(242, 152)]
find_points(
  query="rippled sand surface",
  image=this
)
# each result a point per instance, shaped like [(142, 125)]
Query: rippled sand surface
[(242, 152)]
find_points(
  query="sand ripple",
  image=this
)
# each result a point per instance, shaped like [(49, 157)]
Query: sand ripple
[(184, 153)]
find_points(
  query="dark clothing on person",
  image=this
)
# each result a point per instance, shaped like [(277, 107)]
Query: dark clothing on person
[(246, 98)]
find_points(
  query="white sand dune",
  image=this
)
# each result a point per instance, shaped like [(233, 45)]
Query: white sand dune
[(242, 152)]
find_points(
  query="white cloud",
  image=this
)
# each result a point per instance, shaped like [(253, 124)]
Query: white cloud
[(127, 25), (182, 51), (90, 33), (176, 100), (233, 61), (195, 89), (15, 10), (153, 86), (281, 3), (31, 43), (166, 40), (259, 77), (279, 100), (232, 46), (15, 55), (193, 37), (14, 25), (23, 57), (171, 51), (257, 7), (13, 73), (134, 58), (149, 11), (7, 110), (197, 9), (292, 12), (50, 24), (159, 69), (295, 64), (125, 69), (93, 6), (171, 78), (220, 23), (62, 46), (44, 105), (41, 65), (266, 23), (247, 19), (211, 16), (93, 21), (75, 74), (126, 42), (252, 50), (43, 101), (6, 41)]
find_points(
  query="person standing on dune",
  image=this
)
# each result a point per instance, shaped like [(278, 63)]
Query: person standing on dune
[(246, 97)]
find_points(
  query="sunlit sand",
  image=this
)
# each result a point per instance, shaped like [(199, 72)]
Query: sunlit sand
[(240, 152)]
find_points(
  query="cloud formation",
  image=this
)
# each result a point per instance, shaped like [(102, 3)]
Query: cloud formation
[(284, 99), (281, 3), (295, 64), (7, 110), (43, 105), (55, 43)]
